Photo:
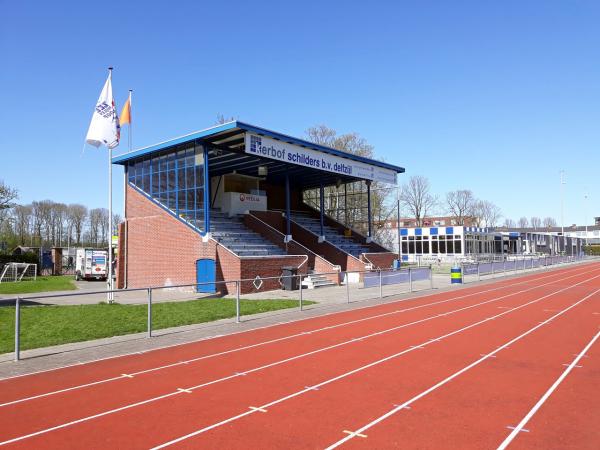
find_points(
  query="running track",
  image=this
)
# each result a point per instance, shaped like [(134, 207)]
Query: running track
[(514, 363)]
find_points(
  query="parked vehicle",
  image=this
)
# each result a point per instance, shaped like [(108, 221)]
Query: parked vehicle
[(91, 264)]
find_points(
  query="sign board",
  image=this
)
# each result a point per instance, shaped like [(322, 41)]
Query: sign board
[(301, 156), (238, 203)]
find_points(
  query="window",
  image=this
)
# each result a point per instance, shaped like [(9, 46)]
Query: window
[(175, 179)]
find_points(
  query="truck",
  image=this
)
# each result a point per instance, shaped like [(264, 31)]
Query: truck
[(91, 264)]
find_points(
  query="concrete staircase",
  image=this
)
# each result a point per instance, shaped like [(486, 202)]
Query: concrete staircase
[(233, 234), (313, 281), (332, 235)]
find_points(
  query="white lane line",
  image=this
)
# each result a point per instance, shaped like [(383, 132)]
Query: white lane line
[(352, 433), (530, 278), (460, 372), (330, 327), (522, 429), (388, 358), (187, 391), (219, 380), (126, 375), (547, 394)]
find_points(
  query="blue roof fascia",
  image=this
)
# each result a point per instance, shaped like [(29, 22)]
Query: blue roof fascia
[(120, 159)]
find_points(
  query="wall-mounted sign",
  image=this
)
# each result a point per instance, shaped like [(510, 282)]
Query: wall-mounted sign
[(301, 156)]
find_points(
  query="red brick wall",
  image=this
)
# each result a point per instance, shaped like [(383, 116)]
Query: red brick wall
[(160, 249), (379, 260)]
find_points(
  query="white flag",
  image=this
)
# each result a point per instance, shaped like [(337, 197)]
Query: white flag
[(104, 128)]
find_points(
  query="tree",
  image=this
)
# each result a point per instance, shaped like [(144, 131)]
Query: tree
[(549, 222), (486, 213), (7, 196), (353, 213), (536, 222), (523, 222), (509, 223), (460, 204), (417, 198), (221, 119), (77, 215), (116, 220), (22, 215)]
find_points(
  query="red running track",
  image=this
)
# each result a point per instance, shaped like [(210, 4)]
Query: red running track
[(454, 369)]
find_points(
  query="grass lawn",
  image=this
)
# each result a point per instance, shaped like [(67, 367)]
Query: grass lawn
[(42, 326), (42, 284)]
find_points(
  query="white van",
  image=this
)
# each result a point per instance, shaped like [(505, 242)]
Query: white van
[(91, 264)]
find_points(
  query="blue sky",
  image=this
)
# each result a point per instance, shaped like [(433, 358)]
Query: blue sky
[(496, 97)]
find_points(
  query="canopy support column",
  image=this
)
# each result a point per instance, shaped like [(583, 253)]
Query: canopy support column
[(322, 211), (206, 199), (369, 222), (288, 234)]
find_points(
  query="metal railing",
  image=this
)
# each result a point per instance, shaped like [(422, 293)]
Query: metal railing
[(506, 266), (363, 280)]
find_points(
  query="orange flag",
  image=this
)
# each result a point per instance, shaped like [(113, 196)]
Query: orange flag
[(126, 112)]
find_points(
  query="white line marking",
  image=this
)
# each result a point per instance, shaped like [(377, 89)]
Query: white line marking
[(576, 367), (126, 375), (501, 283), (352, 433), (465, 369), (200, 358), (254, 408), (488, 355), (312, 388), (522, 429), (388, 358), (187, 391), (548, 393)]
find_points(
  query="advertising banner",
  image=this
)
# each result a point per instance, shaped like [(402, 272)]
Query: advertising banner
[(301, 156)]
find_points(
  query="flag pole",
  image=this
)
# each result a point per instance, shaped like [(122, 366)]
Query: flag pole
[(130, 119), (109, 296)]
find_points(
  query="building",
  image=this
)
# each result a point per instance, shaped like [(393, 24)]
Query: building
[(226, 203), (458, 243)]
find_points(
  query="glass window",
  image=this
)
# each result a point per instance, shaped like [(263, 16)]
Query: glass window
[(442, 247), (426, 247), (419, 247), (450, 247), (405, 247), (434, 247), (457, 247)]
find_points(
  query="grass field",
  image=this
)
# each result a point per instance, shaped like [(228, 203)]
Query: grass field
[(42, 284), (42, 326)]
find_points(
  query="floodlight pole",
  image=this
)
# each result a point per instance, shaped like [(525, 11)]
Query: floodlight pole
[(562, 207)]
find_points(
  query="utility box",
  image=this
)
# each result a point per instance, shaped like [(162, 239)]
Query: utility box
[(289, 278)]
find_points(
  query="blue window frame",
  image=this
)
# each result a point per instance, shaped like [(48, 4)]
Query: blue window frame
[(175, 179)]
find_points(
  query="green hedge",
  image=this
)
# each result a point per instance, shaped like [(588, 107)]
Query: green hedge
[(31, 258)]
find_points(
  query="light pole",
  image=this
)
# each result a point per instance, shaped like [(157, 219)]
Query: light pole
[(398, 225), (585, 207), (562, 206)]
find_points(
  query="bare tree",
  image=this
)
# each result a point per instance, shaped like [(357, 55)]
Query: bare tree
[(509, 223), (116, 220), (417, 198), (549, 222), (77, 215), (23, 215), (460, 204), (486, 213), (221, 119), (523, 222), (536, 222), (348, 203)]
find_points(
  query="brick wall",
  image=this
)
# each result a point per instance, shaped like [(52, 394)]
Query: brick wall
[(379, 260), (161, 250)]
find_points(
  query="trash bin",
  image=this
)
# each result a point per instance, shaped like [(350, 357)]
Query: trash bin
[(289, 279), (456, 275), (396, 264)]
